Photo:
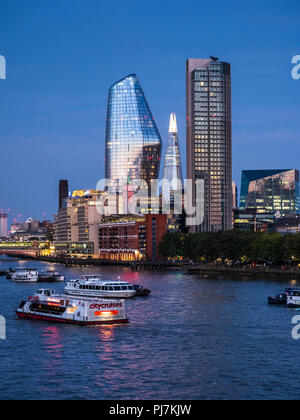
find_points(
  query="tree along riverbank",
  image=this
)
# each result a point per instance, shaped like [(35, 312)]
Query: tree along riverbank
[(245, 270), (238, 247)]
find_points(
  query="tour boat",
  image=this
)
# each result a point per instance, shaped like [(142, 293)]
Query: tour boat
[(46, 305), (50, 276), (95, 286), (25, 275)]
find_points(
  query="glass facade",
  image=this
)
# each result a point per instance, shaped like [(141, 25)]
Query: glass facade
[(276, 191), (254, 220), (133, 142), (172, 165), (209, 138)]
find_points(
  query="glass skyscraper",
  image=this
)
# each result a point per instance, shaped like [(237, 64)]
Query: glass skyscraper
[(209, 138), (276, 191), (133, 142), (172, 165)]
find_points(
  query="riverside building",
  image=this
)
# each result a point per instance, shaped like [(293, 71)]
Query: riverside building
[(131, 238), (275, 191), (76, 224), (209, 139), (133, 142)]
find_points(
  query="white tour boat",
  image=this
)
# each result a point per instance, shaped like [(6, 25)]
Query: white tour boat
[(25, 275), (95, 286), (45, 305)]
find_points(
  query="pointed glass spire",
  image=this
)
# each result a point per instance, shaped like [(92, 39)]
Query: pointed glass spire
[(133, 142), (172, 166)]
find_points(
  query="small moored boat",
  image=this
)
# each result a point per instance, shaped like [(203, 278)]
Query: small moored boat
[(25, 275), (45, 305), (50, 276), (280, 299), (141, 291)]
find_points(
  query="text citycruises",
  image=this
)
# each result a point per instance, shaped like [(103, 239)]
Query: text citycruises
[(46, 305)]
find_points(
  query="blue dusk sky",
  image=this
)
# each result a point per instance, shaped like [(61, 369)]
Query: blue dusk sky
[(63, 55)]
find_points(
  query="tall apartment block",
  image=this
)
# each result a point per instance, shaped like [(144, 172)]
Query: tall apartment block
[(209, 139)]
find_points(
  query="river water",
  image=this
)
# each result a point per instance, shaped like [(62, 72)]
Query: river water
[(196, 337)]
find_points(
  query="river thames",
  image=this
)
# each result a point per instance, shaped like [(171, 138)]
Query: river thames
[(196, 337)]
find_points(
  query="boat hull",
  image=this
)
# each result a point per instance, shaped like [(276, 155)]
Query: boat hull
[(45, 279), (117, 295), (39, 317), (24, 281)]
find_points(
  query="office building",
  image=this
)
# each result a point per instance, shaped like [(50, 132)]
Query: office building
[(254, 220), (209, 139), (275, 191)]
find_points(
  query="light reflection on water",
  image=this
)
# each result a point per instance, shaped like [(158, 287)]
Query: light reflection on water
[(193, 338)]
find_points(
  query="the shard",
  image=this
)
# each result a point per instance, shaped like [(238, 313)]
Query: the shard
[(172, 166)]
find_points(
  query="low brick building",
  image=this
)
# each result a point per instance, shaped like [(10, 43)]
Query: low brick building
[(131, 238)]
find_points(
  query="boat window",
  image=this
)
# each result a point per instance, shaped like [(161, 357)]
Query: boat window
[(111, 288), (130, 288), (124, 288), (118, 288)]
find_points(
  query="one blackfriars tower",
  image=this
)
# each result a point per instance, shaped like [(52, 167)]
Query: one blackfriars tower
[(209, 138)]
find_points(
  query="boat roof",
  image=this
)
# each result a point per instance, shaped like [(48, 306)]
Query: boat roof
[(98, 281), (80, 299)]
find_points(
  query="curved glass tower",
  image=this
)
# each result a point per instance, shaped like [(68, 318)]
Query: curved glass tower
[(133, 142), (172, 166)]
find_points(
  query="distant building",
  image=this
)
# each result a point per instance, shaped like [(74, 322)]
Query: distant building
[(15, 227), (131, 238), (234, 195), (30, 230), (3, 225), (275, 191), (209, 138), (63, 192), (254, 220)]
